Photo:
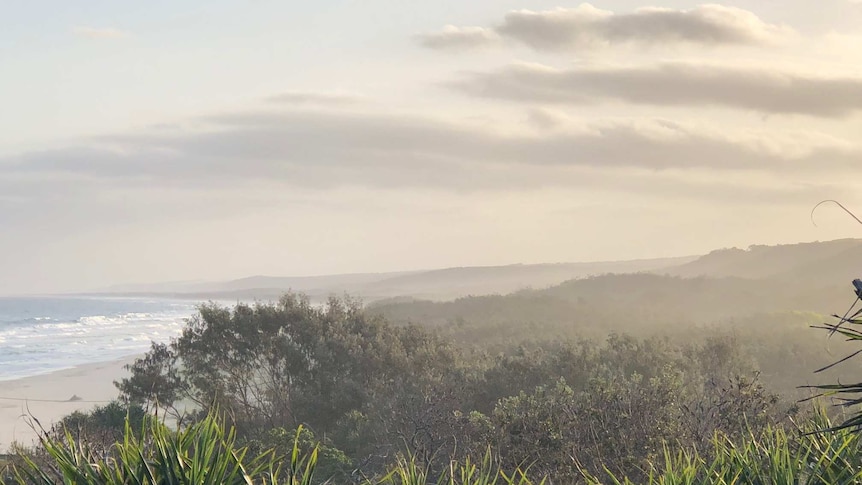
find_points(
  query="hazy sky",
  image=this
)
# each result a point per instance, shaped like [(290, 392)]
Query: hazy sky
[(166, 140)]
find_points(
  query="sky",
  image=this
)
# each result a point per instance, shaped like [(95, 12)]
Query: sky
[(191, 140)]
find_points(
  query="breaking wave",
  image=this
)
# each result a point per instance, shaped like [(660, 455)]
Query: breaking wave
[(39, 335)]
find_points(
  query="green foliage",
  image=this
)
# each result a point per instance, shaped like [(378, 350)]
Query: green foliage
[(332, 464), (365, 385), (485, 471), (206, 453), (752, 324), (365, 392), (203, 453), (105, 424), (559, 431), (774, 456), (100, 429), (638, 304), (847, 395), (154, 378)]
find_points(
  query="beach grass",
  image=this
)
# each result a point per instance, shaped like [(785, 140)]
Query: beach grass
[(207, 453)]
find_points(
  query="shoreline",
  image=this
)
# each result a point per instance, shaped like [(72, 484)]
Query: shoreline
[(47, 397)]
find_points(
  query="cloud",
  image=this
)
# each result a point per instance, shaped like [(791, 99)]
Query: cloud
[(313, 98), (261, 162), (328, 150), (586, 27), (459, 38), (673, 84), (99, 33), (546, 119)]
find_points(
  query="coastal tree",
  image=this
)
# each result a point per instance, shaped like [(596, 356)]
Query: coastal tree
[(326, 367)]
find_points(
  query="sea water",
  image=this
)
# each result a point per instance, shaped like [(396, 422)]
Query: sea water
[(45, 334)]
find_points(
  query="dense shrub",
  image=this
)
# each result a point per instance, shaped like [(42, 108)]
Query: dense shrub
[(366, 386), (371, 391)]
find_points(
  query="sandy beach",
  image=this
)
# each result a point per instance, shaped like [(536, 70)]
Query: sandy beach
[(47, 397)]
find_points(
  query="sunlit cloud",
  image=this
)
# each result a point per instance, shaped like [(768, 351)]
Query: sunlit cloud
[(326, 150), (673, 84), (459, 38), (586, 26)]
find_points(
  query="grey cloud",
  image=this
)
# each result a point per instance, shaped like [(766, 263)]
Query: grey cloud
[(133, 177), (459, 38), (331, 149), (588, 27), (673, 84), (546, 119)]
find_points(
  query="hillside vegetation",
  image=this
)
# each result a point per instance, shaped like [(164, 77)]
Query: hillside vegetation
[(616, 378)]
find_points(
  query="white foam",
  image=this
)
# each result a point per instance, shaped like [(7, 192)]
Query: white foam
[(47, 343)]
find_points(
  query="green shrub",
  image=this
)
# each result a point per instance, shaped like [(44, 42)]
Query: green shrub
[(772, 457), (203, 453)]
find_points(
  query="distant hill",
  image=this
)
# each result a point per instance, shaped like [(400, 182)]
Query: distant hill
[(822, 261), (299, 283), (795, 268), (623, 302), (724, 285), (485, 280), (430, 284)]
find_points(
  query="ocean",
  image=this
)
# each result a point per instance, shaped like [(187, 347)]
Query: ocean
[(39, 335)]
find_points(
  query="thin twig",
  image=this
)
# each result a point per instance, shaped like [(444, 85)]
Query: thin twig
[(839, 205)]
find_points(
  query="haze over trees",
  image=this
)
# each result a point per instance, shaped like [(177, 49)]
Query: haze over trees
[(593, 374), (371, 389)]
